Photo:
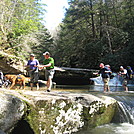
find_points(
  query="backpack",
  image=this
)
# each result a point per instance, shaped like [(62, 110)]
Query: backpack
[(129, 73)]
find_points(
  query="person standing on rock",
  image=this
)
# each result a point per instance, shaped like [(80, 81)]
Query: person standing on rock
[(33, 71), (49, 71), (124, 75)]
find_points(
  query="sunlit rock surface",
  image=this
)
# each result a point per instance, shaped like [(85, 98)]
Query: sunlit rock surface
[(11, 110), (65, 113)]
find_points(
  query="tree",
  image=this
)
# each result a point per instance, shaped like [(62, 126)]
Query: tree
[(20, 26), (95, 31)]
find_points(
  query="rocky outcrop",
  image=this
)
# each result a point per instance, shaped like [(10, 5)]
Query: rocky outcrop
[(11, 110), (11, 64), (56, 112)]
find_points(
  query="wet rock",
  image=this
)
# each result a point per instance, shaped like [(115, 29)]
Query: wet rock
[(11, 110), (1, 132), (62, 113)]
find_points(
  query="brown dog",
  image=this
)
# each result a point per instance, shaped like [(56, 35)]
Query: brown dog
[(17, 79)]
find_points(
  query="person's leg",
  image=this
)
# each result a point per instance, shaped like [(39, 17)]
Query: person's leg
[(36, 78), (49, 77), (31, 79), (37, 85), (108, 88), (31, 85), (49, 84), (126, 88), (105, 84), (125, 85)]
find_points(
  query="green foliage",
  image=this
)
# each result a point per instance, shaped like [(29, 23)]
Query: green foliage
[(96, 31), (21, 25), (45, 43)]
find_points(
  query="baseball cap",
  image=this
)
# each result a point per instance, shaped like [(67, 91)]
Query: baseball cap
[(46, 53), (32, 55), (121, 67)]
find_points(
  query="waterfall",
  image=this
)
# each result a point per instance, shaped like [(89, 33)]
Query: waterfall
[(126, 112), (126, 109)]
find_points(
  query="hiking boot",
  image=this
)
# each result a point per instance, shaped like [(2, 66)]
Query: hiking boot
[(48, 90)]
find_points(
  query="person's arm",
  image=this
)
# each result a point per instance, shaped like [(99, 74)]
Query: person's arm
[(97, 73), (28, 64), (42, 66), (48, 65), (37, 64), (108, 71), (124, 72)]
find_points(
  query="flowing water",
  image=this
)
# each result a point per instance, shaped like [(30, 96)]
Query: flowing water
[(123, 123)]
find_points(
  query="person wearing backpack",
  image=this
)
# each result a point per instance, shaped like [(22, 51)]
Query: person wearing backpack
[(124, 75), (130, 73), (105, 74)]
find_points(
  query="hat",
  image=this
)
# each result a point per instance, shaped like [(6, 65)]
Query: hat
[(101, 64), (32, 55), (46, 53), (121, 67)]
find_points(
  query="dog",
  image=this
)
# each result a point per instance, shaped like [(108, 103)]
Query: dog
[(17, 79)]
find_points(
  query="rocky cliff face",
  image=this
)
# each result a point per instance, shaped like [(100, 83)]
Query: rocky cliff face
[(55, 113), (11, 64)]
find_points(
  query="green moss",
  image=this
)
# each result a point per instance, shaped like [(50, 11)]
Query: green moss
[(103, 116), (44, 114)]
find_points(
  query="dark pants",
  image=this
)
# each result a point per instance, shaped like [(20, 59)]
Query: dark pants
[(34, 76)]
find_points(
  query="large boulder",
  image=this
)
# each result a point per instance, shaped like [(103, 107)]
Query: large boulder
[(65, 113), (11, 110), (55, 112)]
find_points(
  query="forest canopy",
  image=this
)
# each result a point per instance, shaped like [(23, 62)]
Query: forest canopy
[(95, 31), (21, 28), (92, 31)]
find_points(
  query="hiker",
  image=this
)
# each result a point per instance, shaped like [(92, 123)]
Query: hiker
[(33, 71), (109, 69), (49, 71), (105, 74), (130, 73), (123, 74)]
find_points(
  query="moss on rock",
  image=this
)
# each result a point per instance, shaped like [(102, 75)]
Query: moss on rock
[(58, 116), (55, 117), (52, 113)]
